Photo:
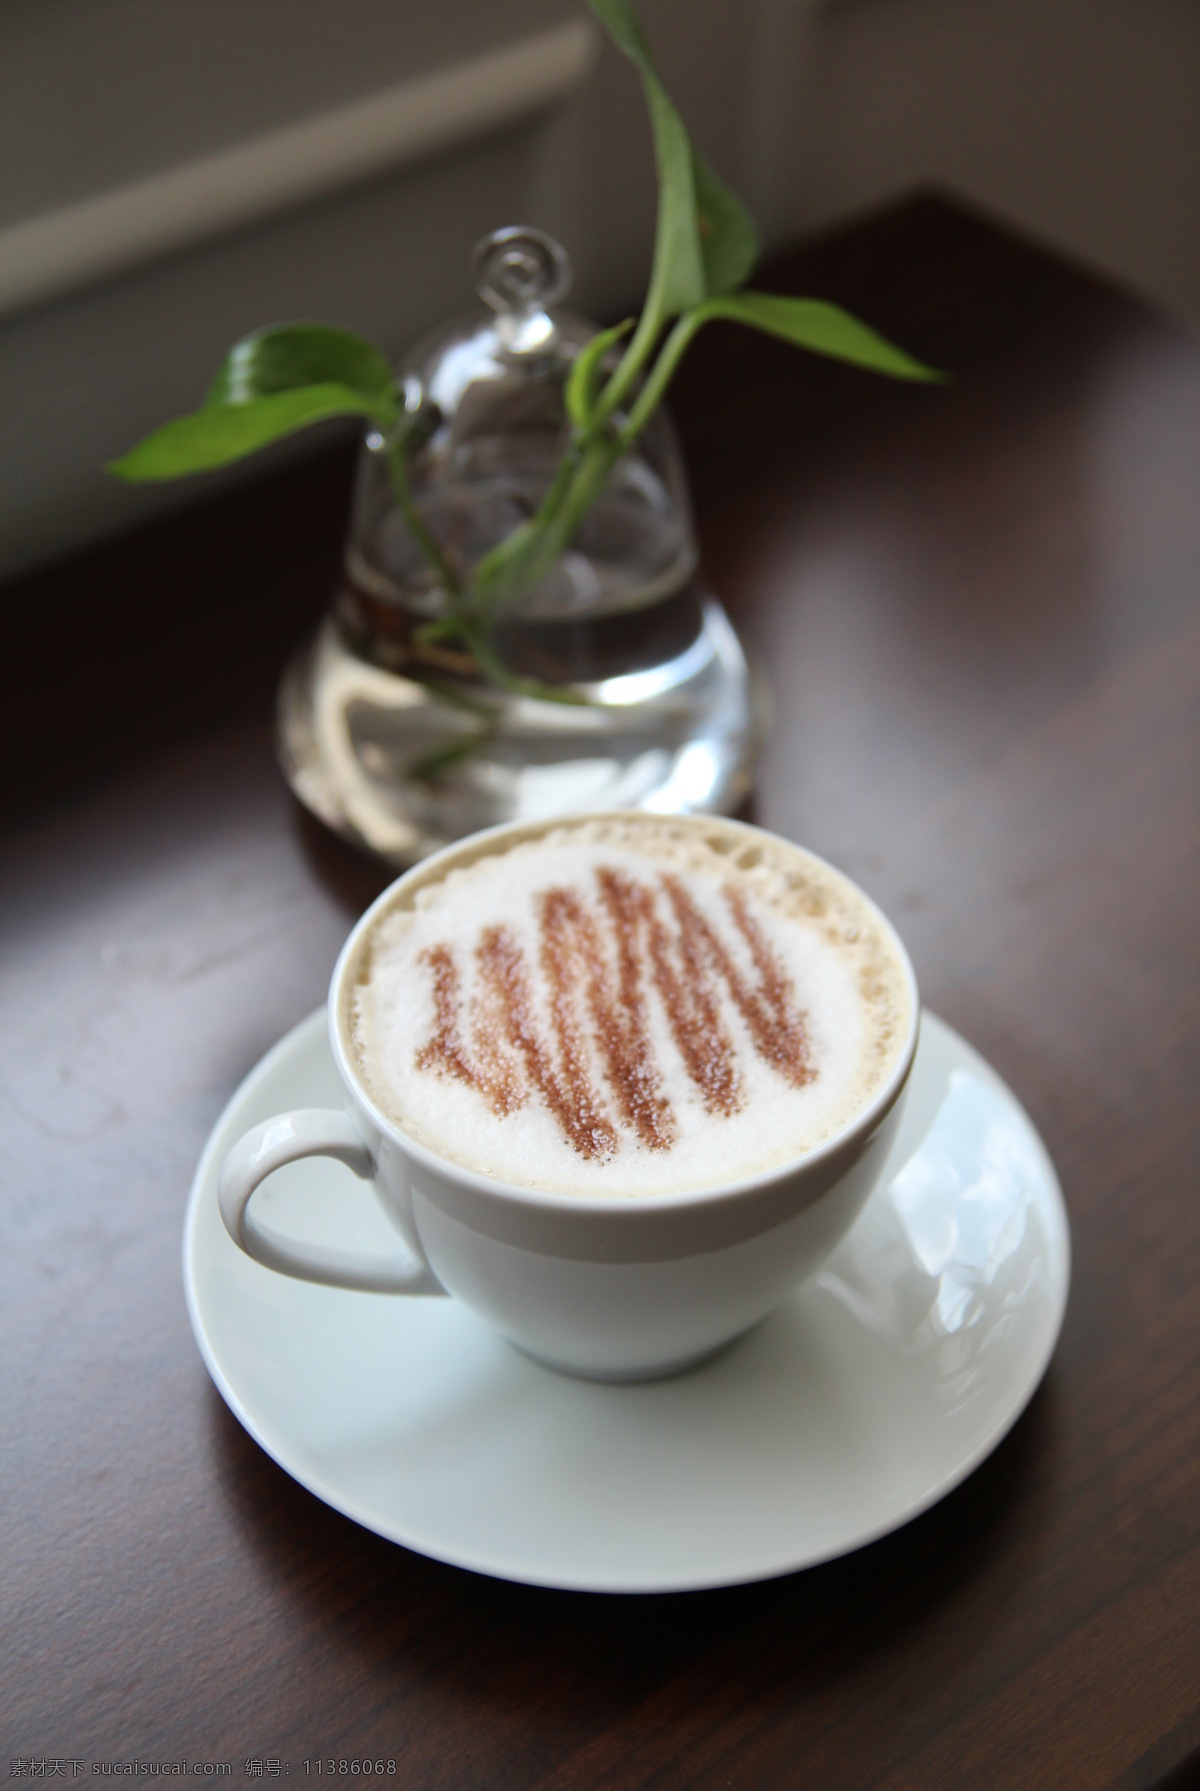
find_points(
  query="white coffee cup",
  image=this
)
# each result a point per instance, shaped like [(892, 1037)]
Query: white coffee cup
[(609, 1289)]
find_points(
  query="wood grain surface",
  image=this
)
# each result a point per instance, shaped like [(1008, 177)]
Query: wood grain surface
[(979, 608)]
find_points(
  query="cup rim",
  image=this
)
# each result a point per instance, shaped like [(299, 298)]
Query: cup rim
[(504, 1193)]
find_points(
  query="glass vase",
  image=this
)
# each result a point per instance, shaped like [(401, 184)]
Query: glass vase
[(611, 679)]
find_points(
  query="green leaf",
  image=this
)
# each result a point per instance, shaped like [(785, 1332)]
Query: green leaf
[(291, 355), (218, 434), (677, 280), (677, 275), (625, 28), (270, 385), (728, 235), (823, 328), (580, 393), (707, 242)]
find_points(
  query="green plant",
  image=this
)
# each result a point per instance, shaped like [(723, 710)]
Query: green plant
[(282, 379)]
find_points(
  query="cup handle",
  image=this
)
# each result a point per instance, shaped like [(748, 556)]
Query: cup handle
[(314, 1132)]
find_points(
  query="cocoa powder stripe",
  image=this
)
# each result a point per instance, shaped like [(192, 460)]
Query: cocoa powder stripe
[(783, 1029), (599, 960), (684, 989), (775, 1024), (491, 1070), (569, 1095), (618, 1015)]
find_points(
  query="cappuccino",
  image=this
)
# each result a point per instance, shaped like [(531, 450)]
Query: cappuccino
[(626, 1005)]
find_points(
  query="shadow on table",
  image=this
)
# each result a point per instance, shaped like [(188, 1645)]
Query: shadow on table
[(352, 876), (600, 1653)]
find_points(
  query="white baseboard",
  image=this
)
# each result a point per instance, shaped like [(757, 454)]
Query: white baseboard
[(45, 257)]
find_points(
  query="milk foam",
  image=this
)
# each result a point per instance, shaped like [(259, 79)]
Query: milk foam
[(626, 1006)]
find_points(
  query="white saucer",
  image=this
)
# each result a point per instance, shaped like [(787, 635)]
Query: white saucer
[(865, 1399)]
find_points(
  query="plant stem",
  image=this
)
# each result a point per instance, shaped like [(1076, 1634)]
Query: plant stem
[(661, 375), (497, 673), (628, 367), (502, 566), (590, 475), (550, 533), (519, 562), (529, 552), (398, 473), (431, 765)]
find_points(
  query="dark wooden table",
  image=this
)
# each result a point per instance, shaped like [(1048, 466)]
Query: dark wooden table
[(980, 609)]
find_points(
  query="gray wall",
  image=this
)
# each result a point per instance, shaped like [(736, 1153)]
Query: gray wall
[(1075, 118)]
